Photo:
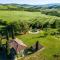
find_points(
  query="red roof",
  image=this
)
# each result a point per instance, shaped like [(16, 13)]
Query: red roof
[(17, 44)]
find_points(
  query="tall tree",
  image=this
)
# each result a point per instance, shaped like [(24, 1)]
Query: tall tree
[(12, 30), (7, 42), (0, 40), (37, 45)]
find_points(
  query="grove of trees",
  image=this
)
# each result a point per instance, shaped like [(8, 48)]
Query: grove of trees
[(21, 26)]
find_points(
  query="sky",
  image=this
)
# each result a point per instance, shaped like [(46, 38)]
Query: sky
[(32, 2)]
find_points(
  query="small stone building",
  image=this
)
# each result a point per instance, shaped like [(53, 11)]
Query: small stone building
[(18, 45)]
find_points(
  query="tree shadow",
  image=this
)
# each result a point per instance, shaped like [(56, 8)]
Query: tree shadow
[(12, 54), (3, 53), (4, 56)]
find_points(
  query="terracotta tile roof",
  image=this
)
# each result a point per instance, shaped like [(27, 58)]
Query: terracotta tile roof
[(17, 44), (20, 42)]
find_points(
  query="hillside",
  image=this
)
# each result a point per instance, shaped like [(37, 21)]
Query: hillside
[(50, 43), (14, 6), (26, 6), (48, 6), (17, 20), (24, 15)]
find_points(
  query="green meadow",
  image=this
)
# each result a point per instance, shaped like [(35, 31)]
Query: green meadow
[(51, 46), (18, 15), (10, 16)]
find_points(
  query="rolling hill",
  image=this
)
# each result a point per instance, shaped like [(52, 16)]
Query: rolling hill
[(26, 6), (45, 37)]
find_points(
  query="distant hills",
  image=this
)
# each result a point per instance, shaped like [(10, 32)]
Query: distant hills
[(26, 6), (48, 6)]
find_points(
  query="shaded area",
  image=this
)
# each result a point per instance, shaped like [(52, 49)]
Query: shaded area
[(34, 48), (4, 56), (3, 53), (12, 54)]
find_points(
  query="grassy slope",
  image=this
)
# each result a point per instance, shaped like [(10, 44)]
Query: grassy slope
[(17, 15), (23, 15), (51, 44)]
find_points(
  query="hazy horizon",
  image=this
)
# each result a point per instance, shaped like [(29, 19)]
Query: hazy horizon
[(30, 2)]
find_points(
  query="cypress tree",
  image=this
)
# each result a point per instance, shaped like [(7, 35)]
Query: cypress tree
[(12, 31), (37, 45), (0, 38), (7, 42)]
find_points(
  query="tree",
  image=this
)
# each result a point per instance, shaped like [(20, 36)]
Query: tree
[(53, 25), (36, 24), (37, 45), (7, 42), (3, 22), (23, 26), (0, 41), (1, 35), (12, 32), (57, 24)]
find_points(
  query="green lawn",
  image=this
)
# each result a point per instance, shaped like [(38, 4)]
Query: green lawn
[(51, 44)]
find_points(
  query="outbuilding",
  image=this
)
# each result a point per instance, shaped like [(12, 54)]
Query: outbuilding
[(18, 45)]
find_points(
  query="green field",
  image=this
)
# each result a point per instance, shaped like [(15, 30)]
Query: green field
[(50, 42), (24, 15), (18, 15)]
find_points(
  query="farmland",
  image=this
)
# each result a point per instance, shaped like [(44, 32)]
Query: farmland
[(18, 15), (23, 15), (49, 38)]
